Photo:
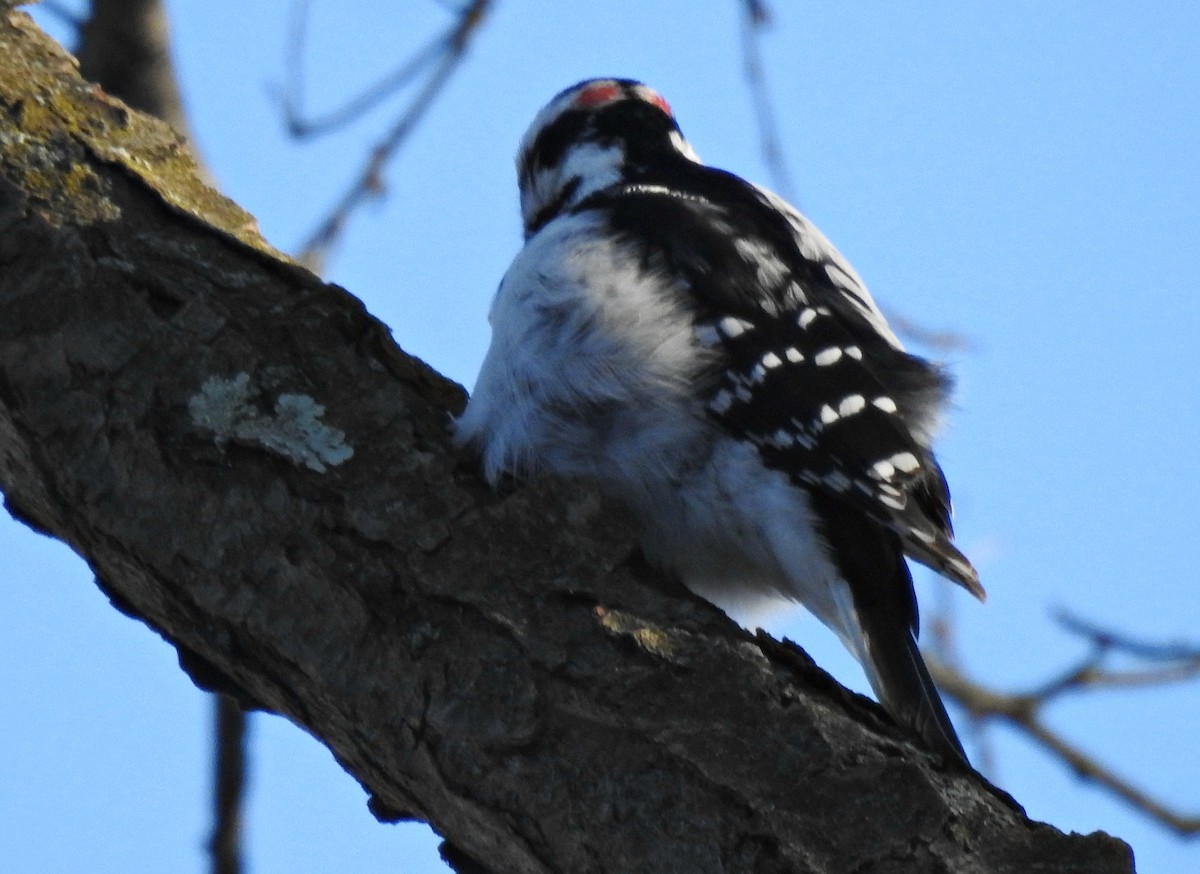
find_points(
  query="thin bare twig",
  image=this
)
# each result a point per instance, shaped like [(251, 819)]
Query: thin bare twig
[(1178, 662), (302, 127), (1110, 640), (60, 11), (1024, 710), (754, 21), (369, 182), (229, 778), (931, 338)]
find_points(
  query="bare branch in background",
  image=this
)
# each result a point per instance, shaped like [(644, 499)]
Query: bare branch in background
[(301, 126), (229, 783), (67, 16), (1111, 641), (983, 704), (755, 20), (443, 54), (125, 46), (1173, 663), (939, 340)]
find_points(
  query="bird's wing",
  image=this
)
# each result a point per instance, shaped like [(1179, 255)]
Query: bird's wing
[(806, 368)]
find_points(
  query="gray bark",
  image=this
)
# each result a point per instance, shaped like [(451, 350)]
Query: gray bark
[(253, 469)]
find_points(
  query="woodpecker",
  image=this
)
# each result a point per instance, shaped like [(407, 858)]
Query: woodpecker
[(697, 347)]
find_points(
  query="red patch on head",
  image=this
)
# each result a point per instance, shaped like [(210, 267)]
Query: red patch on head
[(662, 104), (594, 95)]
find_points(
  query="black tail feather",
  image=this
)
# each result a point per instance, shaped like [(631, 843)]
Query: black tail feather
[(907, 691), (870, 559)]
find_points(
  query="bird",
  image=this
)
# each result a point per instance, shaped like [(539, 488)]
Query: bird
[(697, 347)]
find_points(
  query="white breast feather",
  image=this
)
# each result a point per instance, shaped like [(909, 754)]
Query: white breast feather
[(592, 371), (580, 332)]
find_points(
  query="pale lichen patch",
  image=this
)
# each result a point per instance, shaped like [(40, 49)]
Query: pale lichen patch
[(658, 641), (52, 170), (294, 430)]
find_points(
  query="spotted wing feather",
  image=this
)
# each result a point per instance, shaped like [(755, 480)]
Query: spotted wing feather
[(805, 371)]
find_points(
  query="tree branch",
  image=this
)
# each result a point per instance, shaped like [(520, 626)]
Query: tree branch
[(444, 54), (229, 783), (252, 468), (1024, 710), (125, 46), (755, 19)]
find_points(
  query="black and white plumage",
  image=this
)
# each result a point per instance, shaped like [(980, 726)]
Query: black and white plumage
[(695, 345)]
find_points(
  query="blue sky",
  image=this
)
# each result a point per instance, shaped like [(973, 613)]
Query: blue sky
[(1025, 174)]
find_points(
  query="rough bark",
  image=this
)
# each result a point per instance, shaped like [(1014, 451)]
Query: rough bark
[(253, 469), (124, 48)]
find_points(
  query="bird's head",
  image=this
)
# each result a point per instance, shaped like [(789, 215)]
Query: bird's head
[(598, 133)]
